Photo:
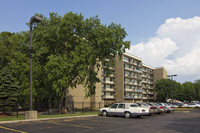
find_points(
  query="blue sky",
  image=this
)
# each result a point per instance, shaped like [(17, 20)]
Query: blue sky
[(142, 20)]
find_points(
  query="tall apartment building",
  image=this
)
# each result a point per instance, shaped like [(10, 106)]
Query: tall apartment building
[(130, 81)]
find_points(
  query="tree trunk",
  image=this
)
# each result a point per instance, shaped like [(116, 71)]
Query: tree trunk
[(49, 102), (61, 100)]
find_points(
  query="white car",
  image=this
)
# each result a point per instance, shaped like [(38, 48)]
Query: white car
[(184, 105), (198, 104), (124, 109), (193, 105)]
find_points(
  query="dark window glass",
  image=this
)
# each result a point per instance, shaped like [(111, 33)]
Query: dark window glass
[(114, 106), (121, 106)]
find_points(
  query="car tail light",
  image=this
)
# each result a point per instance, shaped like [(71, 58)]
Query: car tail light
[(151, 108), (171, 107), (161, 107)]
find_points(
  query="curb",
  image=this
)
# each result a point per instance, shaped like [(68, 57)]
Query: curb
[(43, 119), (183, 111)]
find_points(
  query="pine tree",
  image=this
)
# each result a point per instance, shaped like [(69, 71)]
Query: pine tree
[(8, 90)]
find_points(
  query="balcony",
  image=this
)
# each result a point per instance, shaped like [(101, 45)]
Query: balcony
[(138, 90), (150, 93), (138, 71), (144, 92), (108, 82), (138, 97), (129, 97), (127, 89), (127, 75), (109, 89), (128, 68), (108, 97)]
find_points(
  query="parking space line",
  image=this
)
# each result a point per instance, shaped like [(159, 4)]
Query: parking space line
[(68, 125), (12, 129), (102, 121)]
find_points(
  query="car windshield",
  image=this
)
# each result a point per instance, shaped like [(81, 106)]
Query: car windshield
[(150, 104), (165, 104), (145, 104), (191, 104), (133, 105), (156, 104)]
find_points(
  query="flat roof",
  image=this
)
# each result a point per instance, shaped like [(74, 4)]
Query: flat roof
[(147, 66), (135, 57)]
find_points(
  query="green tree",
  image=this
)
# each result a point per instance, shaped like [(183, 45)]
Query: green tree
[(189, 91), (68, 51), (163, 89), (178, 91), (14, 56), (197, 90), (9, 90)]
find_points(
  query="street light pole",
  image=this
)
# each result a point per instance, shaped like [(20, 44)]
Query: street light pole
[(33, 19), (171, 76)]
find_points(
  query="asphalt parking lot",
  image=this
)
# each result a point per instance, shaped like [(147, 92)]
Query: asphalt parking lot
[(175, 122)]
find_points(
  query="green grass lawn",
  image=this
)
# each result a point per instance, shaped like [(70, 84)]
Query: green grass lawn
[(11, 118), (22, 117)]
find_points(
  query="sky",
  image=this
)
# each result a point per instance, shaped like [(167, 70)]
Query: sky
[(162, 32)]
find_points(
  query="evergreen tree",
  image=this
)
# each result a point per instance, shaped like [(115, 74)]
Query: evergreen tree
[(8, 90)]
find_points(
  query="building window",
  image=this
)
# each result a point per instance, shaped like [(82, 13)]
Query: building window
[(126, 59)]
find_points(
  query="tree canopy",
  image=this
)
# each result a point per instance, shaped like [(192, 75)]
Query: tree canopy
[(67, 50), (186, 91), (9, 90)]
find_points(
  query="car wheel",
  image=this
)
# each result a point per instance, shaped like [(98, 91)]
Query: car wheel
[(127, 115), (104, 113)]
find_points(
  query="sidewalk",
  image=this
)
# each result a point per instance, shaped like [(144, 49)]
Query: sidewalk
[(42, 119)]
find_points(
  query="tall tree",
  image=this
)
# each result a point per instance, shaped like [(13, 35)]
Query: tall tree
[(14, 56), (189, 91), (67, 52), (163, 89), (9, 90), (166, 88), (197, 90)]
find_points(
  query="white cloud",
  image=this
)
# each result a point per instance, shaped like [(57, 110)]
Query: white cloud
[(176, 46)]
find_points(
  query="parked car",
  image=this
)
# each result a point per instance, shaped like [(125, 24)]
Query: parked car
[(124, 109), (176, 105), (152, 109), (193, 105), (198, 104), (185, 105), (156, 107), (169, 106), (163, 106)]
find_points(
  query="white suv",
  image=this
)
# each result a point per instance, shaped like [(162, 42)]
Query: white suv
[(124, 109)]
